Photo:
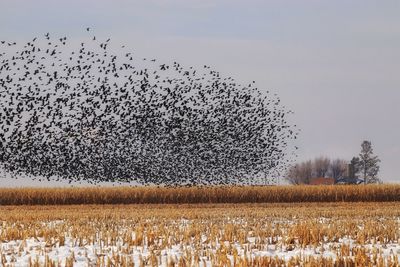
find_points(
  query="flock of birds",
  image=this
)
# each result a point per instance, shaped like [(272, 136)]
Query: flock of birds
[(80, 112)]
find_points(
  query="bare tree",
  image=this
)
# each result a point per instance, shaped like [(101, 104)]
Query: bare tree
[(293, 176), (301, 173), (338, 169), (306, 168), (321, 166)]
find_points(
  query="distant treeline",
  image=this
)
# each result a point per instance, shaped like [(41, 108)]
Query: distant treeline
[(188, 195), (362, 169)]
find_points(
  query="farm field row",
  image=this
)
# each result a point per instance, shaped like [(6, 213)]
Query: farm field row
[(296, 234), (193, 195)]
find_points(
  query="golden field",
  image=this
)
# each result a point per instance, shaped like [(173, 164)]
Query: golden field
[(194, 195), (252, 234)]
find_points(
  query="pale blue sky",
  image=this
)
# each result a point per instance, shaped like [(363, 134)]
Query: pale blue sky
[(335, 63)]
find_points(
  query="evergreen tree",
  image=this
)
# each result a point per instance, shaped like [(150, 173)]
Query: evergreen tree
[(354, 169), (368, 164)]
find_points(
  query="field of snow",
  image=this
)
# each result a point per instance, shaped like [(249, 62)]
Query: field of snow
[(359, 234), (28, 251)]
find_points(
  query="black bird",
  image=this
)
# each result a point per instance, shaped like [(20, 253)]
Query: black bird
[(96, 115)]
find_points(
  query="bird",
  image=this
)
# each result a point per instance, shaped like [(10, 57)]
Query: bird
[(89, 113)]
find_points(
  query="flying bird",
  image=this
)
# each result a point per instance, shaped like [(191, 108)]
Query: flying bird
[(90, 113)]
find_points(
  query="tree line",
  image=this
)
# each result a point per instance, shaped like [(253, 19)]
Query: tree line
[(363, 168)]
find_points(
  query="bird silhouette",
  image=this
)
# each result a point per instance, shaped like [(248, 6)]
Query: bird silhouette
[(89, 113)]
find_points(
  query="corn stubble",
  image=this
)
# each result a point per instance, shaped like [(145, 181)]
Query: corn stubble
[(213, 234)]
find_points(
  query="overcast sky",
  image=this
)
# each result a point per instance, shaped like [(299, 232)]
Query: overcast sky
[(336, 64)]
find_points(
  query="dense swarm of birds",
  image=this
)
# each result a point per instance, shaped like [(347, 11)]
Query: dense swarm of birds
[(83, 112)]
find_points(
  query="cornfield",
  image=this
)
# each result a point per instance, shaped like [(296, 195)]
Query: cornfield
[(280, 234), (195, 195), (201, 226)]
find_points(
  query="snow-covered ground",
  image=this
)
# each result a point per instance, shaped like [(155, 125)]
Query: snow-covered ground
[(80, 252)]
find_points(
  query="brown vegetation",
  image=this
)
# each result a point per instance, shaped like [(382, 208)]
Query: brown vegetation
[(223, 194), (213, 233)]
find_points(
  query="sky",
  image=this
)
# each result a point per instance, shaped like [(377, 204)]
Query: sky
[(334, 63)]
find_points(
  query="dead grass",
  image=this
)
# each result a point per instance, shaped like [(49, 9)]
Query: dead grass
[(216, 233)]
